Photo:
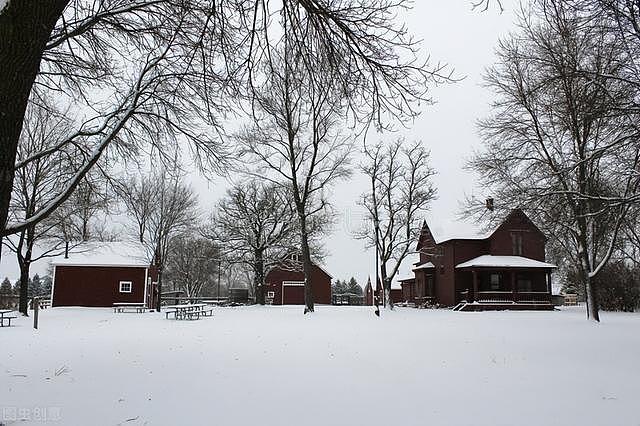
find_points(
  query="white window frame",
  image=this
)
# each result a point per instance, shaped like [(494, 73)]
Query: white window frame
[(123, 283), (293, 283), (271, 294)]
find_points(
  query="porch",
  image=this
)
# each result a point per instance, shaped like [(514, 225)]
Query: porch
[(495, 283)]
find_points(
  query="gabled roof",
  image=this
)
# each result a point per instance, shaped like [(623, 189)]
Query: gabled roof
[(426, 265), (490, 261), (124, 254), (439, 239)]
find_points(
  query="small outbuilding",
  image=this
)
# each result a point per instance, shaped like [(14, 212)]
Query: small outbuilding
[(99, 274), (285, 283)]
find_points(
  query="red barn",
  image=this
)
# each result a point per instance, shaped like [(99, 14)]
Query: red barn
[(101, 274), (504, 269), (284, 283)]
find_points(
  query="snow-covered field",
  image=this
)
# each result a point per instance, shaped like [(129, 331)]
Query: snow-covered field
[(339, 366)]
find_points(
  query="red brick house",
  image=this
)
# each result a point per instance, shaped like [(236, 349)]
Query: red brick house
[(284, 283), (101, 274), (504, 269)]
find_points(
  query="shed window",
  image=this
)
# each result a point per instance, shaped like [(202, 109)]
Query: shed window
[(125, 286), (271, 294)]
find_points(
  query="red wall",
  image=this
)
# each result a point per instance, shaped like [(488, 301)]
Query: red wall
[(294, 295), (96, 286)]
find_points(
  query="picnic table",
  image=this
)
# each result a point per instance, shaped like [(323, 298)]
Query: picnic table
[(129, 307), (6, 315), (189, 311)]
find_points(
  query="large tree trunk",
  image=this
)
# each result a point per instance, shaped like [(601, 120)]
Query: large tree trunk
[(593, 310), (306, 265), (25, 28), (386, 285), (258, 276), (23, 305)]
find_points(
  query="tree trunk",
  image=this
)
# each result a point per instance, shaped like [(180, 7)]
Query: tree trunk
[(23, 305), (258, 276), (307, 266), (25, 28), (593, 310), (386, 285), (387, 293)]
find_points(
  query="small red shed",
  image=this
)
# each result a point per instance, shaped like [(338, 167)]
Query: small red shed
[(284, 283), (104, 273)]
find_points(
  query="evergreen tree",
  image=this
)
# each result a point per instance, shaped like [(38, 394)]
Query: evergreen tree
[(35, 286), (16, 288), (47, 284), (354, 287), (5, 287)]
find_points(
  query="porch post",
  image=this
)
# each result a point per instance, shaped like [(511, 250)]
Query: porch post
[(514, 289), (473, 294), (549, 282)]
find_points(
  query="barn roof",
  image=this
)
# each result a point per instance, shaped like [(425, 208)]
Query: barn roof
[(125, 254), (491, 261)]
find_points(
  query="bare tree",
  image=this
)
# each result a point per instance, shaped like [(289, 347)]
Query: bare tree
[(558, 143), (174, 213), (192, 264), (400, 193), (296, 140), (138, 195), (35, 185), (197, 57), (256, 222)]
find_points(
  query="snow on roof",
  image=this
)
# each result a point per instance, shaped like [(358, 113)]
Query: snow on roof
[(472, 235), (106, 254), (426, 265), (488, 260)]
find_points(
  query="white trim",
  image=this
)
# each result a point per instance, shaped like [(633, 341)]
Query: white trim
[(146, 284), (271, 294), (53, 284), (130, 286)]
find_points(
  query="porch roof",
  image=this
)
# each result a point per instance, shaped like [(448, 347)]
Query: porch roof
[(490, 261), (426, 265)]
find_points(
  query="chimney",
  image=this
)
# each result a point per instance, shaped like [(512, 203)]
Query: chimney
[(489, 204), (66, 249)]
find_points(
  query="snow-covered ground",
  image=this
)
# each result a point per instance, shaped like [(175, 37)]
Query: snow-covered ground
[(339, 366)]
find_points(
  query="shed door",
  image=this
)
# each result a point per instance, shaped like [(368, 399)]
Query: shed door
[(293, 292)]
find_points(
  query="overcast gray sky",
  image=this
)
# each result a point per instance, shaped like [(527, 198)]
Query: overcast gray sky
[(451, 33)]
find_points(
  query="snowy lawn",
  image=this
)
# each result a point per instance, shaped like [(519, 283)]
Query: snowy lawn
[(339, 366)]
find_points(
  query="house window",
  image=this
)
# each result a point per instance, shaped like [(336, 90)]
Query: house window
[(271, 294), (125, 286), (516, 244), (293, 283), (495, 281)]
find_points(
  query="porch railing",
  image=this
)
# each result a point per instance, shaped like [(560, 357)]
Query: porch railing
[(510, 297)]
